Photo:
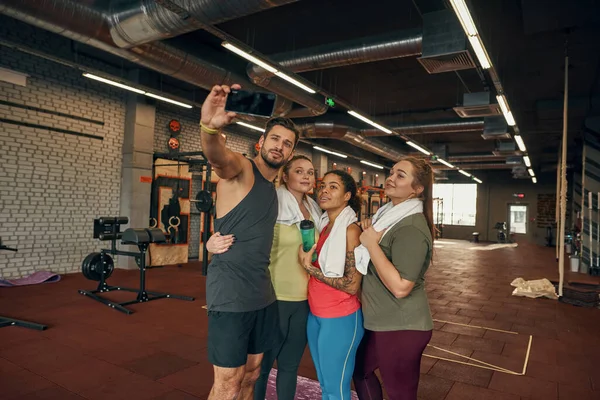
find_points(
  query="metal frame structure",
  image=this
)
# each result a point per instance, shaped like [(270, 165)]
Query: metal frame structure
[(191, 158)]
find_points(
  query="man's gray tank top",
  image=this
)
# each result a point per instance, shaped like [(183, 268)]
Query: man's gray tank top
[(239, 279)]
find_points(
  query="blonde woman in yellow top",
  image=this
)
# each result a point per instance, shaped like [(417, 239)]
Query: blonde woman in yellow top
[(289, 279)]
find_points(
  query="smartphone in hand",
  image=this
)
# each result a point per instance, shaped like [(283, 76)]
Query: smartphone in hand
[(251, 103)]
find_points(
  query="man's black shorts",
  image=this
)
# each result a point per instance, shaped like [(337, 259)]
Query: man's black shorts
[(234, 335)]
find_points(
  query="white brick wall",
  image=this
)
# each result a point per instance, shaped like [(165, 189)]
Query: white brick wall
[(54, 184)]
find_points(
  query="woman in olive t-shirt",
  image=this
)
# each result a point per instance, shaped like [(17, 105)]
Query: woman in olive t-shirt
[(397, 319)]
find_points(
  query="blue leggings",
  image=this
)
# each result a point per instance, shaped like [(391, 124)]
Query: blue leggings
[(333, 343)]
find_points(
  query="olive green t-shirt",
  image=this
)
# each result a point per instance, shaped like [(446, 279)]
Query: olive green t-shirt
[(408, 245)]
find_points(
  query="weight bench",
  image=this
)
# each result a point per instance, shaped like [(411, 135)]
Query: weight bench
[(99, 266)]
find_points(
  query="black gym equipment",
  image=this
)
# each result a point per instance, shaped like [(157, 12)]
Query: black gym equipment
[(204, 201), (501, 235), (99, 266), (5, 321)]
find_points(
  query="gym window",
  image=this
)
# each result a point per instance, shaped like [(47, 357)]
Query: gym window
[(458, 203)]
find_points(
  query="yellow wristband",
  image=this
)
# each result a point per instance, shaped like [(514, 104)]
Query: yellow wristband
[(208, 130)]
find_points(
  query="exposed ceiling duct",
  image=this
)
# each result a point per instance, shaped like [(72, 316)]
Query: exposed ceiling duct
[(464, 158), (495, 128), (135, 22), (357, 51), (375, 48), (444, 43), (90, 26), (471, 125), (476, 166), (331, 130), (467, 158), (477, 105), (506, 149)]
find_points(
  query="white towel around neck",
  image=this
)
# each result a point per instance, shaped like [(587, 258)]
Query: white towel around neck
[(332, 258), (385, 218), (289, 209)]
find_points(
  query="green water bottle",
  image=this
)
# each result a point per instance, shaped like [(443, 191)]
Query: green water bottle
[(307, 230)]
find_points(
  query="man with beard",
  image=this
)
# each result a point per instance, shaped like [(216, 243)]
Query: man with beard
[(243, 319)]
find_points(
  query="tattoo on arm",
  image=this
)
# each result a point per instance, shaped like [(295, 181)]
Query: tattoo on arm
[(347, 282)]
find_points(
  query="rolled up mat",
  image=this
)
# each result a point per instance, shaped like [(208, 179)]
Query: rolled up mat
[(33, 279)]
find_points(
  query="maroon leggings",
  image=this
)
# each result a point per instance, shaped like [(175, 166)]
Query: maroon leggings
[(397, 355)]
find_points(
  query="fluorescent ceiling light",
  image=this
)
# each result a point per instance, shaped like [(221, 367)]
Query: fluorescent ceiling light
[(249, 57), (256, 128), (155, 96), (330, 152), (464, 172), (464, 16), (503, 104), (510, 120), (371, 164), (477, 180), (534, 179), (416, 146), (527, 161), (132, 89), (270, 68), (446, 163), (531, 172), (480, 52), (113, 83), (520, 143), (368, 121), (294, 82)]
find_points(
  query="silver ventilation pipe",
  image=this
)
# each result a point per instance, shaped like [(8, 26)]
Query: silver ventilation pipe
[(90, 26), (141, 21), (330, 130), (375, 48), (475, 158), (459, 125), (357, 51), (415, 129), (135, 22), (467, 167)]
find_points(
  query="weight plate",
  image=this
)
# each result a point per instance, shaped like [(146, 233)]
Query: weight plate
[(204, 201), (92, 266), (86, 265)]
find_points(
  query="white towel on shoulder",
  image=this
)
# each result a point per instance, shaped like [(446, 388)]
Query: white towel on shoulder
[(385, 218), (332, 257), (289, 209)]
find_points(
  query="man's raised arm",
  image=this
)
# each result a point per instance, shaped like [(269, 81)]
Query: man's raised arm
[(227, 164)]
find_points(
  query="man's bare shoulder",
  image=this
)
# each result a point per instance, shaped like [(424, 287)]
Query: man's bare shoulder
[(244, 176)]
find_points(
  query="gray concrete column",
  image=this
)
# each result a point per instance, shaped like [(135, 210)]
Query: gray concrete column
[(138, 149), (320, 162)]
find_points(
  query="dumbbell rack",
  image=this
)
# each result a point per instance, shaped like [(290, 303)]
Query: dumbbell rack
[(142, 294), (5, 321)]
